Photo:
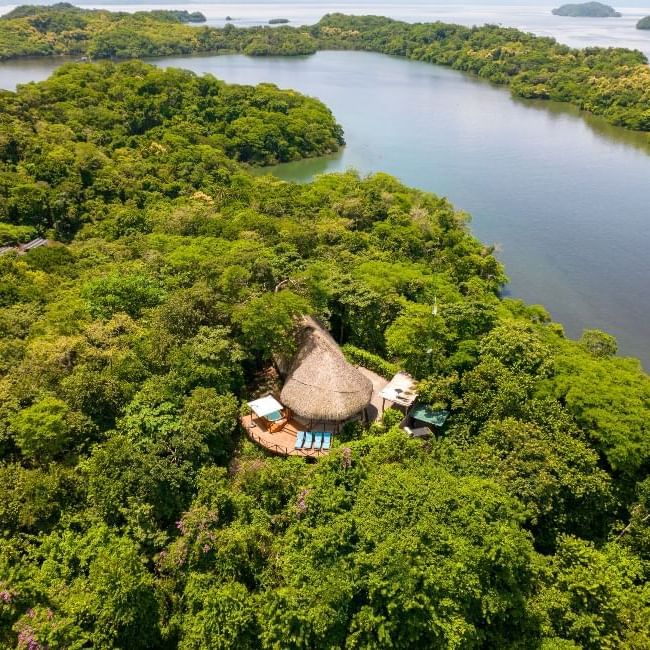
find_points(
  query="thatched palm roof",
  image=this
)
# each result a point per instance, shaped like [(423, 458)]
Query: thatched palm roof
[(321, 384)]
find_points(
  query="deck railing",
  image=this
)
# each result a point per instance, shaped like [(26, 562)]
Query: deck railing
[(284, 451)]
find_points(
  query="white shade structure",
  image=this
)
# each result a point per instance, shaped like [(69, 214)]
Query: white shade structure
[(400, 390), (266, 406)]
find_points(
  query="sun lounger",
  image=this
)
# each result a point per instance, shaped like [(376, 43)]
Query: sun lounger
[(327, 440), (318, 440), (300, 439), (309, 439)]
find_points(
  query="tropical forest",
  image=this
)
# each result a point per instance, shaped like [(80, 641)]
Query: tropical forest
[(136, 510), (612, 82)]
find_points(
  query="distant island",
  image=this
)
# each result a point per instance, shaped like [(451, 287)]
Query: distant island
[(62, 16), (279, 21), (189, 16), (644, 23), (587, 10), (179, 15)]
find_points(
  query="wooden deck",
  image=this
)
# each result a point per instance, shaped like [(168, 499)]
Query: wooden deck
[(280, 442), (283, 442)]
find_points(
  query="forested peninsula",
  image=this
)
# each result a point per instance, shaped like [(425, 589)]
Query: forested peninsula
[(611, 82), (135, 512)]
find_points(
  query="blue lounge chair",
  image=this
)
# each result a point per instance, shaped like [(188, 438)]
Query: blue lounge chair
[(318, 440), (309, 439), (327, 440), (300, 439)]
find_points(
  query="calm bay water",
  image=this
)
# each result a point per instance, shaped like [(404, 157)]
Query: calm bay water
[(563, 194)]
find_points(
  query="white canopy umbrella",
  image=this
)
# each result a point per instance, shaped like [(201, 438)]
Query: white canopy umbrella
[(267, 407)]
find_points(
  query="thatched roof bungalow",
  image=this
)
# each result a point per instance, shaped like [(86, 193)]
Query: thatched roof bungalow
[(320, 384)]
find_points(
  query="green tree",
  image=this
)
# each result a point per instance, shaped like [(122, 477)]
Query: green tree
[(116, 293), (213, 418), (33, 500), (98, 590), (418, 338), (397, 575), (609, 399), (208, 359), (268, 322), (44, 430), (599, 344), (517, 346), (491, 391), (219, 616), (552, 472), (635, 534), (594, 597)]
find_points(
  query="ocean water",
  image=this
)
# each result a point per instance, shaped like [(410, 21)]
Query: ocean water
[(536, 18)]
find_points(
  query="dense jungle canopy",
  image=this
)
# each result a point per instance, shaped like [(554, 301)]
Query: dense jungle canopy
[(136, 514)]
